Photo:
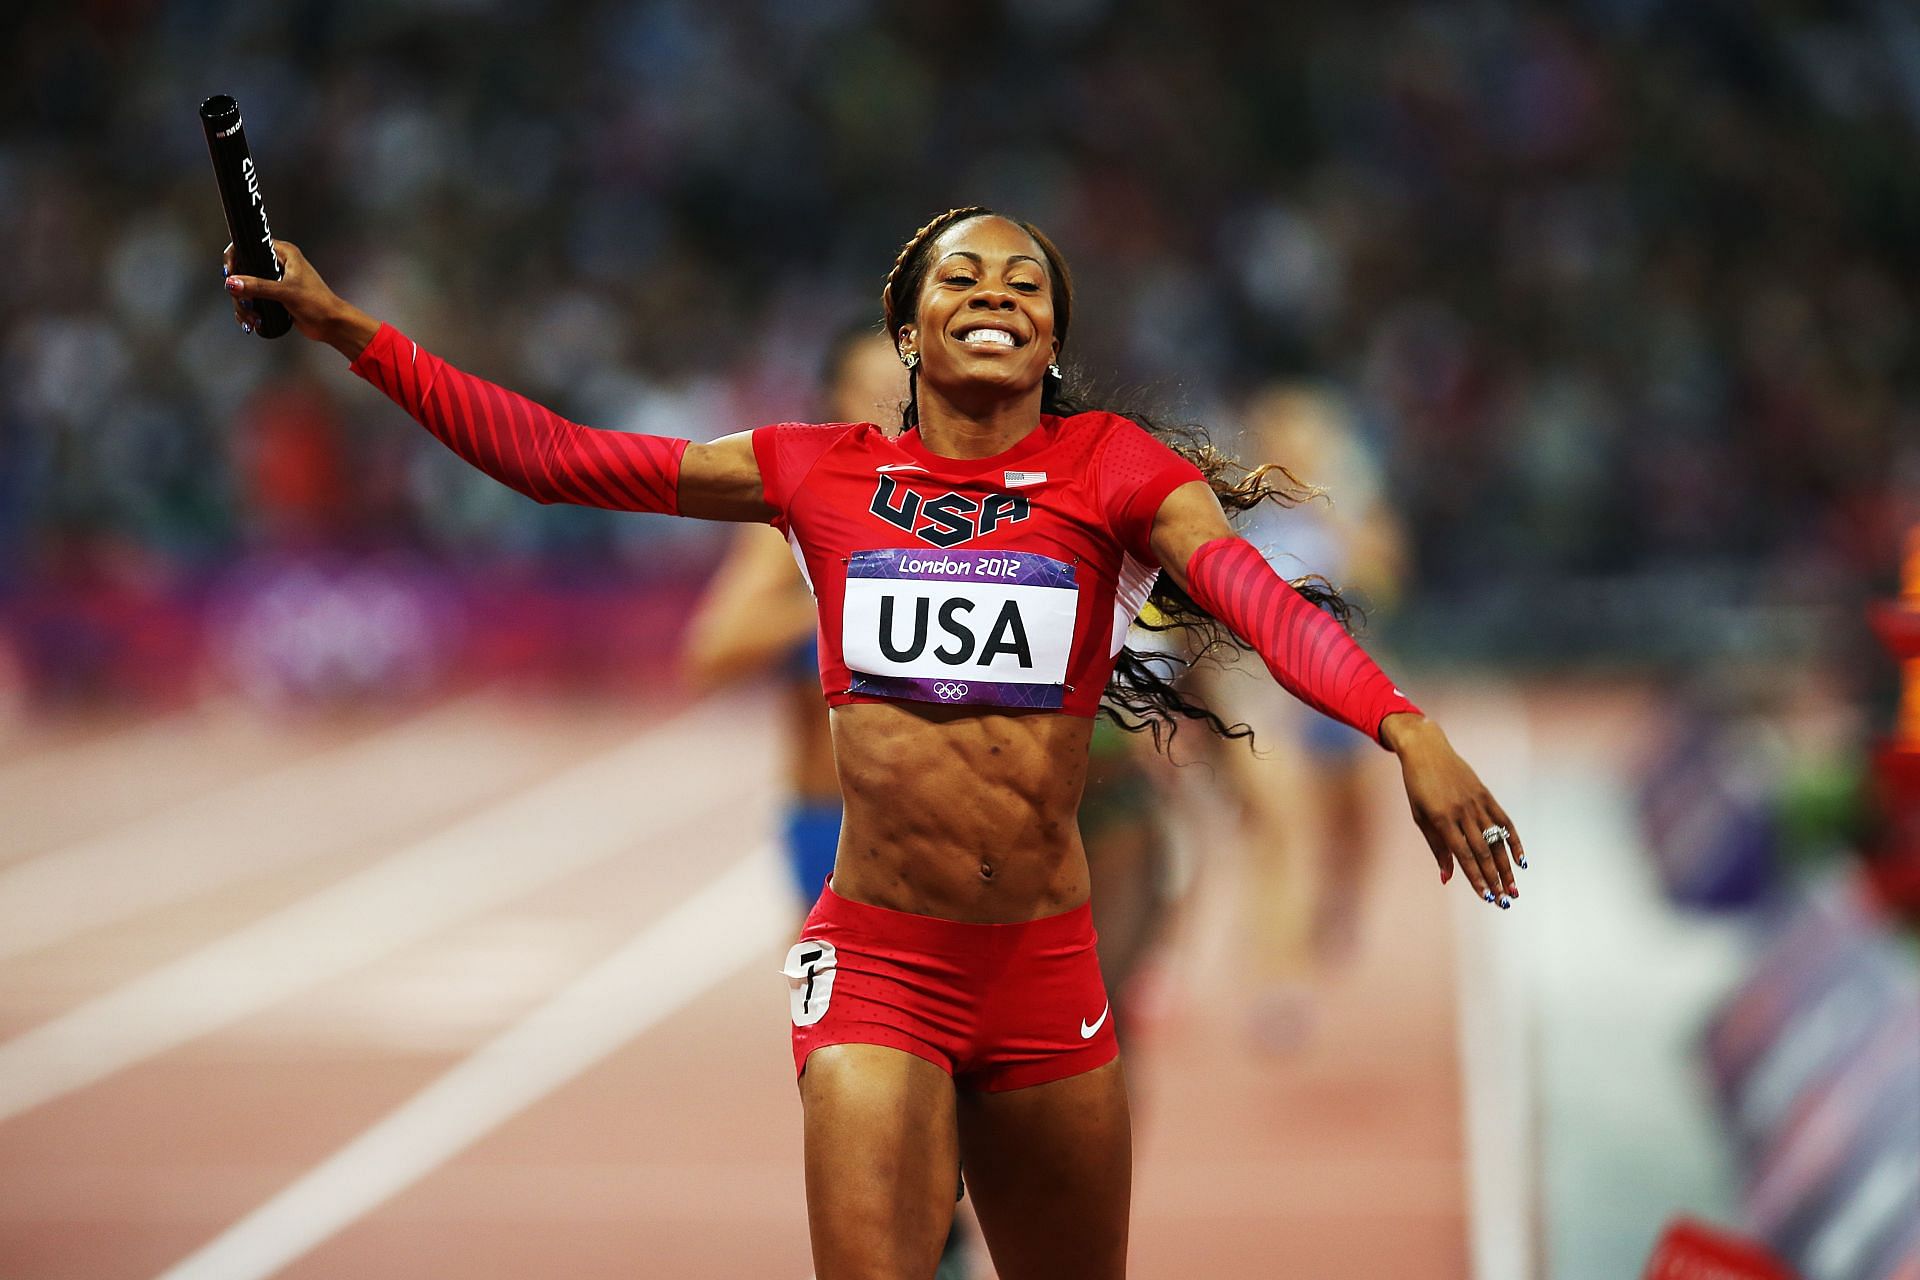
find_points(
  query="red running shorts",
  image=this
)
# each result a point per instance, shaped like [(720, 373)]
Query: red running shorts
[(995, 1006)]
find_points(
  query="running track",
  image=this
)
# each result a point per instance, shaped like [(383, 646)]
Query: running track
[(488, 990)]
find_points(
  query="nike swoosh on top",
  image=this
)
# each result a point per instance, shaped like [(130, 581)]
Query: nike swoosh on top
[(901, 466), (1086, 1032)]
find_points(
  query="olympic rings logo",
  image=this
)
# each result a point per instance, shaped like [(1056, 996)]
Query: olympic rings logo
[(949, 691)]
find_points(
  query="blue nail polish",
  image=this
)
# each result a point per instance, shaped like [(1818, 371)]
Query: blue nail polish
[(1505, 902), (245, 327), (1522, 861), (1486, 895)]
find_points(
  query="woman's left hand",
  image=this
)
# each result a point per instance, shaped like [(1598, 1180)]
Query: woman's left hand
[(1453, 808)]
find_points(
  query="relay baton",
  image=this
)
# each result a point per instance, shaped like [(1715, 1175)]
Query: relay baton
[(239, 181)]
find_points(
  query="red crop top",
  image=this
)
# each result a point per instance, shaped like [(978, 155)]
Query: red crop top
[(1007, 581)]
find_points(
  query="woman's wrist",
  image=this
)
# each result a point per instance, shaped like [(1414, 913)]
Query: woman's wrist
[(1403, 729), (349, 330)]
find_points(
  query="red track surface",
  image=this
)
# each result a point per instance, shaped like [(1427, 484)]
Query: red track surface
[(677, 1154)]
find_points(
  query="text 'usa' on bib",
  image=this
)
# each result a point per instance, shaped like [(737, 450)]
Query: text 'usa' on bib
[(992, 628)]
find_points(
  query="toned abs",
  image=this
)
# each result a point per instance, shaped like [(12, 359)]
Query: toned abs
[(963, 815)]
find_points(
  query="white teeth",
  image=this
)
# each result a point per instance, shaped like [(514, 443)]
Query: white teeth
[(989, 337)]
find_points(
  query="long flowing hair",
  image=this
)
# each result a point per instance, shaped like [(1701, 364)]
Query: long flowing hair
[(1143, 693)]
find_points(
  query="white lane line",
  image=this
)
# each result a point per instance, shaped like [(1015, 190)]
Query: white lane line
[(1493, 954), (497, 854), (290, 814), (711, 935), (675, 1183)]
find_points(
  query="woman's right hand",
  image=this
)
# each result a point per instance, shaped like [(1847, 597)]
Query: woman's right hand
[(316, 311)]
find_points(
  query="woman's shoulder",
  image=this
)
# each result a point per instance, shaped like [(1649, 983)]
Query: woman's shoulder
[(789, 452), (811, 439), (1103, 438), (1095, 422), (828, 432), (1088, 437)]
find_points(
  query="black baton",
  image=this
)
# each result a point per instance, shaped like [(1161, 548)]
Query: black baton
[(247, 227)]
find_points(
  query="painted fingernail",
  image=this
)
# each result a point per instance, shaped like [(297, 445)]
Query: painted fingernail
[(1521, 860), (1446, 874), (1505, 902), (233, 285), (1486, 895), (225, 270), (246, 326)]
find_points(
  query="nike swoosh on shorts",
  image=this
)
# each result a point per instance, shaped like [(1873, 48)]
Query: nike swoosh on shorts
[(1086, 1032)]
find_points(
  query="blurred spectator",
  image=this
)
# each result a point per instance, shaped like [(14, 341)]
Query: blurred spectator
[(1622, 289)]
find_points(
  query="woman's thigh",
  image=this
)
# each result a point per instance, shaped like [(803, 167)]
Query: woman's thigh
[(1050, 1170), (882, 1156)]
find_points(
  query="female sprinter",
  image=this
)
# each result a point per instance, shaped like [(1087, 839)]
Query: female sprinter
[(975, 577)]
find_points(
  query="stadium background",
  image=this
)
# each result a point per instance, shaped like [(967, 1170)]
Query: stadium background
[(1619, 293)]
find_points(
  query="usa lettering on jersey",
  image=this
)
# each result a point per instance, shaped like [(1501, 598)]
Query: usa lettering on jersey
[(989, 628), (947, 520)]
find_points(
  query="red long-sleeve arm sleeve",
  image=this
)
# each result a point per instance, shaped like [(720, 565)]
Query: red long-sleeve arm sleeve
[(519, 443), (1308, 651)]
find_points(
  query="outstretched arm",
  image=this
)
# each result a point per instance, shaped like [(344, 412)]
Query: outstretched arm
[(1312, 655), (520, 443)]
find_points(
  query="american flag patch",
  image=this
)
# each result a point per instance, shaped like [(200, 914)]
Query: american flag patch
[(1021, 479)]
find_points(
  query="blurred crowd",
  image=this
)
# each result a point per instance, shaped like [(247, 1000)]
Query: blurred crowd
[(1617, 291)]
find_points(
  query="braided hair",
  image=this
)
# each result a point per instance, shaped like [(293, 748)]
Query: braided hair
[(1143, 693)]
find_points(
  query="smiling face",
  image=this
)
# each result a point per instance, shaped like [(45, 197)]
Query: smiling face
[(984, 320)]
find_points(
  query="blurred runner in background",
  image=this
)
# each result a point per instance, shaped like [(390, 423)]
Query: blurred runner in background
[(1129, 859), (758, 616), (1302, 792)]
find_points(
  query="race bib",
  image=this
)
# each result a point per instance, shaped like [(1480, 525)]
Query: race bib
[(809, 972), (993, 628)]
